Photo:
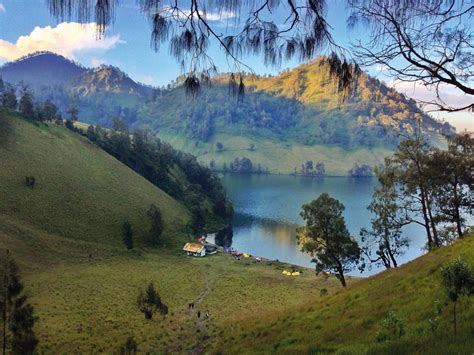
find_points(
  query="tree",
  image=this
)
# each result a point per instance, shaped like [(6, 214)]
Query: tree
[(25, 106), (17, 315), (409, 166), (156, 228), (427, 44), (219, 146), (458, 280), (73, 112), (47, 111), (385, 236), (326, 238), (452, 180), (320, 169), (149, 302), (127, 235), (9, 98)]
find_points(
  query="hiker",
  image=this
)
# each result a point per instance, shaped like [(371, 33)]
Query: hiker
[(207, 315), (199, 314), (192, 305)]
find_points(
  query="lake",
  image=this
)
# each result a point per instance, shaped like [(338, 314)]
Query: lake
[(267, 211)]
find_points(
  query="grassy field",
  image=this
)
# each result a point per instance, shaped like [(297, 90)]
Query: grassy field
[(277, 156), (86, 304)]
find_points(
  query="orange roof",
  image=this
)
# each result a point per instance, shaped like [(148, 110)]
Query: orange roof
[(193, 247)]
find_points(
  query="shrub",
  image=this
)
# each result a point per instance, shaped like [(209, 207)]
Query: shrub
[(391, 328)]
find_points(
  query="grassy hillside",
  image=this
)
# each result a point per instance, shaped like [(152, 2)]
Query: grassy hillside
[(276, 155), (82, 193), (347, 321)]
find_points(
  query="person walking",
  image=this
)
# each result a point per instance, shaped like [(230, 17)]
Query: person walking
[(199, 314)]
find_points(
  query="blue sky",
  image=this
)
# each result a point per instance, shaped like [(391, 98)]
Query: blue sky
[(127, 44)]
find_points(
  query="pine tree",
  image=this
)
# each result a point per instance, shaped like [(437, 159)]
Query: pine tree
[(17, 314)]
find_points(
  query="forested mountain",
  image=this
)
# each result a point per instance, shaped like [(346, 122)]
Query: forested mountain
[(297, 110)]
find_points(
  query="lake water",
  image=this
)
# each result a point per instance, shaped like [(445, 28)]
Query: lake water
[(267, 211)]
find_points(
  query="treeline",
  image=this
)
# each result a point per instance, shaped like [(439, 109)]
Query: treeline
[(419, 184), (310, 169), (155, 160), (242, 165)]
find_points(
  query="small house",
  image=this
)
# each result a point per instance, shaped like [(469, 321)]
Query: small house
[(194, 249)]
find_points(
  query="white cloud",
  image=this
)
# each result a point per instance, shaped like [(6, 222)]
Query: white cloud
[(148, 79), (67, 39), (2, 8)]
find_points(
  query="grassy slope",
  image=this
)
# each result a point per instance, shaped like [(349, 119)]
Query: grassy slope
[(347, 321), (82, 193), (277, 156)]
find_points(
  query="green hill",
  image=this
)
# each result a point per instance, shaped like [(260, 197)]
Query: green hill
[(81, 193)]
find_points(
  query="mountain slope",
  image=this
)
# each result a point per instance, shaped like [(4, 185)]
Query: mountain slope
[(298, 115), (42, 69), (82, 193)]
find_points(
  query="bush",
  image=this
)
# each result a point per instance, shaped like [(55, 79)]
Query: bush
[(391, 328)]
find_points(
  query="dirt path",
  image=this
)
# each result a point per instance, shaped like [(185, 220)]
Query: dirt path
[(200, 323)]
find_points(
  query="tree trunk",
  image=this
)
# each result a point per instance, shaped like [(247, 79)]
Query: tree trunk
[(433, 224), (455, 325), (457, 215), (425, 218), (342, 279)]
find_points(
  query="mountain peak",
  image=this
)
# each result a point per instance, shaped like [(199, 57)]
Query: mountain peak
[(42, 68)]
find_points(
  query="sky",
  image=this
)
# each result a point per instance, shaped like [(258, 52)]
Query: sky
[(26, 26)]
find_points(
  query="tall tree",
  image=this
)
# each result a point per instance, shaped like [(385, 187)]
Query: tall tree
[(26, 105), (17, 314), (326, 238), (385, 237), (409, 165), (453, 181)]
